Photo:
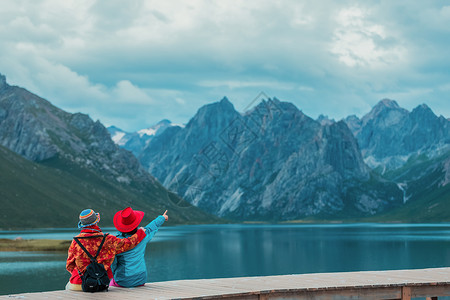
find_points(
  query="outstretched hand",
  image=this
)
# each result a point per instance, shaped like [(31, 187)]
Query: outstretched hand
[(165, 215)]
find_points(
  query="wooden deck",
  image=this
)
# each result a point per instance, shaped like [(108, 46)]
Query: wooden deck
[(398, 284)]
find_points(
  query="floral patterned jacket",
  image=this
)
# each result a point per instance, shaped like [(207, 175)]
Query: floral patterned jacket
[(77, 260)]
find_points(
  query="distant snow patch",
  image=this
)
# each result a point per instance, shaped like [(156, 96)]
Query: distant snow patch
[(117, 138), (123, 179), (148, 131), (446, 179), (403, 186), (388, 163)]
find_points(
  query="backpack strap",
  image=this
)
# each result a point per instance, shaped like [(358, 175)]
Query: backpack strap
[(100, 247), (92, 258)]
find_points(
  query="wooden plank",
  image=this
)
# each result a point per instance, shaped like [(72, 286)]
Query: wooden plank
[(406, 293), (366, 294), (397, 284), (430, 291)]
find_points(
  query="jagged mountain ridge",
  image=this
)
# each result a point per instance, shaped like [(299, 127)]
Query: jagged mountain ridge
[(42, 133), (388, 135), (37, 130), (273, 162), (137, 141)]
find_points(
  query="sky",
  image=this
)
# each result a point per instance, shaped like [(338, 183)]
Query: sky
[(133, 63)]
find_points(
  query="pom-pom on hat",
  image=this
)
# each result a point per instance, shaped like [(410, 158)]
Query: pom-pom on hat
[(88, 217), (128, 219)]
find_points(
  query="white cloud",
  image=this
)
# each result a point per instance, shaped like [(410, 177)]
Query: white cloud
[(445, 87), (306, 88), (357, 41), (445, 13), (236, 84), (126, 92), (135, 64)]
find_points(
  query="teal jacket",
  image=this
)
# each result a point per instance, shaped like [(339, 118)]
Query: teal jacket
[(129, 267)]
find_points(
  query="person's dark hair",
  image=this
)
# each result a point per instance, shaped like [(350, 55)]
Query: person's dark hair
[(131, 232)]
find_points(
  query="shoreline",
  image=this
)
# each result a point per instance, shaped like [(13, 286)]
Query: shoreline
[(75, 231), (34, 245)]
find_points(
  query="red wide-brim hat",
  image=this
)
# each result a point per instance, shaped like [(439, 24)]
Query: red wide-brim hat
[(128, 219)]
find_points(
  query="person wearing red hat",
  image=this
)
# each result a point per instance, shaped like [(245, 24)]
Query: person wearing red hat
[(92, 236), (129, 267)]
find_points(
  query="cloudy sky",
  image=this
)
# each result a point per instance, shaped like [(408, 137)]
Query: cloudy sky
[(133, 63)]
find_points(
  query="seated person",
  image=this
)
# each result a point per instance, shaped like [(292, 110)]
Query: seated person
[(129, 267)]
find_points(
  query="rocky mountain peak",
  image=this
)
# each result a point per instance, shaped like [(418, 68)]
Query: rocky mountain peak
[(324, 120), (354, 123), (164, 122), (223, 105), (225, 101), (388, 103), (272, 109), (217, 114), (385, 109), (423, 110), (81, 121)]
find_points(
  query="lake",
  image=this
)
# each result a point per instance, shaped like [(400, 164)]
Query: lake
[(211, 251)]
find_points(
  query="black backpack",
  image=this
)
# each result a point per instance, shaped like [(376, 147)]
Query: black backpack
[(95, 278)]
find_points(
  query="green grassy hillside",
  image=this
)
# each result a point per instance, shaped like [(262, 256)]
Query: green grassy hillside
[(52, 194), (428, 200)]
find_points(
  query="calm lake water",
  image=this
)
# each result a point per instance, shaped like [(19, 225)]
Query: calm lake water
[(211, 251)]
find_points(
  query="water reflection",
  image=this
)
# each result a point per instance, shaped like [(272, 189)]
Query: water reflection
[(211, 251)]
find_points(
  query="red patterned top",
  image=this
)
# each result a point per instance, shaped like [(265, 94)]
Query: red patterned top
[(78, 260)]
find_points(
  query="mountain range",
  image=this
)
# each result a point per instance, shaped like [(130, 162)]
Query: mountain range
[(57, 148), (388, 135), (275, 163), (271, 163)]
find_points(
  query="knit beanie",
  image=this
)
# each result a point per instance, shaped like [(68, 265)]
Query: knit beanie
[(88, 217)]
